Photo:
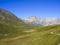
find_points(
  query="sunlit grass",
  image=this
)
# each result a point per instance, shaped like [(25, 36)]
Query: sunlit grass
[(37, 38)]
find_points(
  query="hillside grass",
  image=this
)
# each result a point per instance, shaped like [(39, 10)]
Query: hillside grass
[(8, 30), (41, 36)]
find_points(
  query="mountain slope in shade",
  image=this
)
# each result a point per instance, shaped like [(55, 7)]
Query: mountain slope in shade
[(9, 17), (10, 25), (42, 21)]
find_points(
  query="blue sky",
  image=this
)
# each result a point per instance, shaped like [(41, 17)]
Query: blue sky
[(26, 8)]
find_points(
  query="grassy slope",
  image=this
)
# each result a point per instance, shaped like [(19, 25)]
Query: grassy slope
[(13, 30), (41, 36), (11, 25)]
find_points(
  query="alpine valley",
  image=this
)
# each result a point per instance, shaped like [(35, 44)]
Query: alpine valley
[(29, 31)]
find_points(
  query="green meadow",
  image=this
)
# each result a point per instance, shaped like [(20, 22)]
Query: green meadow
[(45, 35)]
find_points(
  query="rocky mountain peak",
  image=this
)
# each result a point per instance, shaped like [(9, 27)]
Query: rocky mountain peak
[(32, 17), (43, 21)]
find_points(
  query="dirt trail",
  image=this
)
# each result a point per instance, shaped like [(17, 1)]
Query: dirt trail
[(29, 30)]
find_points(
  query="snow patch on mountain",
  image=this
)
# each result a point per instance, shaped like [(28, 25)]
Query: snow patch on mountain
[(42, 21)]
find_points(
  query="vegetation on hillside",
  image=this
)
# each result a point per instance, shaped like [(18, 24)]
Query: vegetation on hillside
[(13, 31), (47, 35), (10, 25)]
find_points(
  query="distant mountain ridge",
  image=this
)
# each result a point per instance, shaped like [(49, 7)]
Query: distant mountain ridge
[(42, 21)]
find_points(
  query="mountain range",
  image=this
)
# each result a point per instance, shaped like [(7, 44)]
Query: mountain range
[(17, 31), (42, 21)]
